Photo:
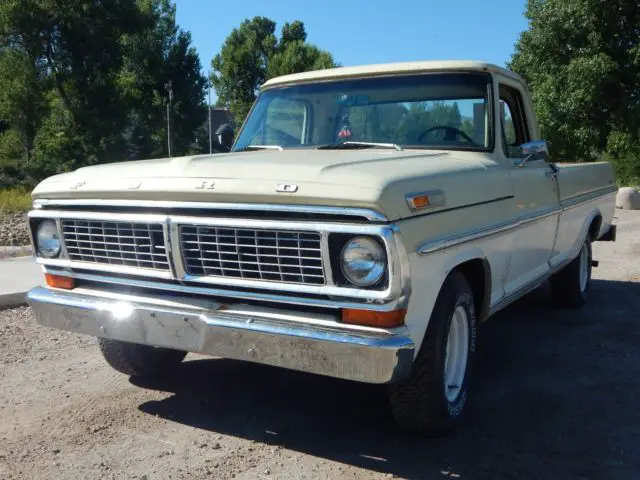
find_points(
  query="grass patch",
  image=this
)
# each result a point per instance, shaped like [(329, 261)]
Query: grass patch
[(15, 200)]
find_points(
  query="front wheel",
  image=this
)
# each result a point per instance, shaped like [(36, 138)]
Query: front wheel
[(570, 286), (432, 400), (139, 360)]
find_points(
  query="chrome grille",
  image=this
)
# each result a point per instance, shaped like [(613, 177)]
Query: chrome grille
[(272, 255), (116, 243)]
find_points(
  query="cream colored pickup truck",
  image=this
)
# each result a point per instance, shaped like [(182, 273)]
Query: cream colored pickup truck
[(364, 223)]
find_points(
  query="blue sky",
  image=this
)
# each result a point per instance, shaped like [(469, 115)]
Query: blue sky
[(360, 32)]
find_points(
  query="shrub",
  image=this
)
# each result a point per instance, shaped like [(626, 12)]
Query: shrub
[(627, 168), (14, 200)]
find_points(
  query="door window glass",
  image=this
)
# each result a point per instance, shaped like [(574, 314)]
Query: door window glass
[(513, 121)]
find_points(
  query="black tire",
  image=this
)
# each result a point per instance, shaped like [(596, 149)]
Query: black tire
[(139, 360), (567, 289), (420, 403)]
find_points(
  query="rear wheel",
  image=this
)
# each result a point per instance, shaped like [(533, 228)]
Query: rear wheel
[(432, 400), (139, 360), (570, 286)]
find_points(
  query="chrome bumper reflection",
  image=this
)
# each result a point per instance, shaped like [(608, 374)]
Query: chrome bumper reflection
[(365, 356)]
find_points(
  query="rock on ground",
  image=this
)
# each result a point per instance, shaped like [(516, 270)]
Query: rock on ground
[(628, 199), (14, 230)]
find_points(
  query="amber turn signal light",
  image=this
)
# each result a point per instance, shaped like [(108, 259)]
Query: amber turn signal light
[(373, 319), (421, 201), (58, 281)]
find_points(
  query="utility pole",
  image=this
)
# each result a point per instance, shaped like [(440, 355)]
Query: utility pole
[(168, 86), (209, 106)]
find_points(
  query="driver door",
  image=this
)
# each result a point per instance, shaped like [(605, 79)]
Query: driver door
[(535, 187)]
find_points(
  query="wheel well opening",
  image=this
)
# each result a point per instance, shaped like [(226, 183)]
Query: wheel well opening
[(478, 274), (594, 228)]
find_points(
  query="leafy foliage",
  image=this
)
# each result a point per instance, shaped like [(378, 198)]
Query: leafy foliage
[(582, 61), (163, 54), (82, 82), (15, 200), (251, 54)]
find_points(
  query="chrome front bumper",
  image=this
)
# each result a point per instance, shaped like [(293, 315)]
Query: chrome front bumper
[(249, 333)]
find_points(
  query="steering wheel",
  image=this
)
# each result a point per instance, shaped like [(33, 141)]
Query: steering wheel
[(450, 135)]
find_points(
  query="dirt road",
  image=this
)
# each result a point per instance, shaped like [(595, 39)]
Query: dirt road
[(557, 395)]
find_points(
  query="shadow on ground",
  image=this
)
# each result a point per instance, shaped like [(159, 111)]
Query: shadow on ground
[(556, 396)]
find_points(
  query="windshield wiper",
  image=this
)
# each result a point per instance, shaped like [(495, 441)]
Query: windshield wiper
[(260, 147), (356, 145)]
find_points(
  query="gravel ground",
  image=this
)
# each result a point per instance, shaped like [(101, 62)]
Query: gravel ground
[(13, 229), (556, 396)]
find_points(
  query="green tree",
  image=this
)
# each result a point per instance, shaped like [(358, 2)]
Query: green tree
[(293, 55), (20, 96), (581, 59), (251, 54), (82, 82), (78, 43), (297, 57), (73, 49), (11, 158), (160, 54)]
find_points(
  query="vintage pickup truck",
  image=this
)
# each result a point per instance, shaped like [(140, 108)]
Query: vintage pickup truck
[(363, 224)]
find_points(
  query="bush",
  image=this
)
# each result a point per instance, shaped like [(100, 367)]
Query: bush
[(15, 200), (627, 168)]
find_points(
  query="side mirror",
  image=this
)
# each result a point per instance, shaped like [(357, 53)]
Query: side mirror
[(225, 135), (533, 151)]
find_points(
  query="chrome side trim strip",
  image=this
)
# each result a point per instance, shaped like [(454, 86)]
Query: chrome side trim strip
[(437, 245), (336, 302), (495, 229), (580, 200), (367, 213), (434, 246)]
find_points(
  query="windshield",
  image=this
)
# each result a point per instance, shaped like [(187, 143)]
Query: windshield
[(440, 111)]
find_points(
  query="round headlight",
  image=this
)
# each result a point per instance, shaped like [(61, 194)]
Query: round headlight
[(363, 261), (47, 239)]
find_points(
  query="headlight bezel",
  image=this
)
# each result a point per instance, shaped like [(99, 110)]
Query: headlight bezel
[(54, 232), (379, 278)]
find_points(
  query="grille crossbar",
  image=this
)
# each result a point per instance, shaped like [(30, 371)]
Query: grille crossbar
[(270, 255)]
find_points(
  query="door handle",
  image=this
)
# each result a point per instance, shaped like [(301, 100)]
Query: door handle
[(553, 170)]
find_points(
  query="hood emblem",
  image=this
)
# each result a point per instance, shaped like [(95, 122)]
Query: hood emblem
[(133, 184), (205, 185), (77, 185), (287, 187)]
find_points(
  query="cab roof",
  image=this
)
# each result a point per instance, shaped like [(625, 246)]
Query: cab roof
[(393, 69)]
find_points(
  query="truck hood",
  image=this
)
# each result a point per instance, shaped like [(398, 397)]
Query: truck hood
[(371, 178)]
